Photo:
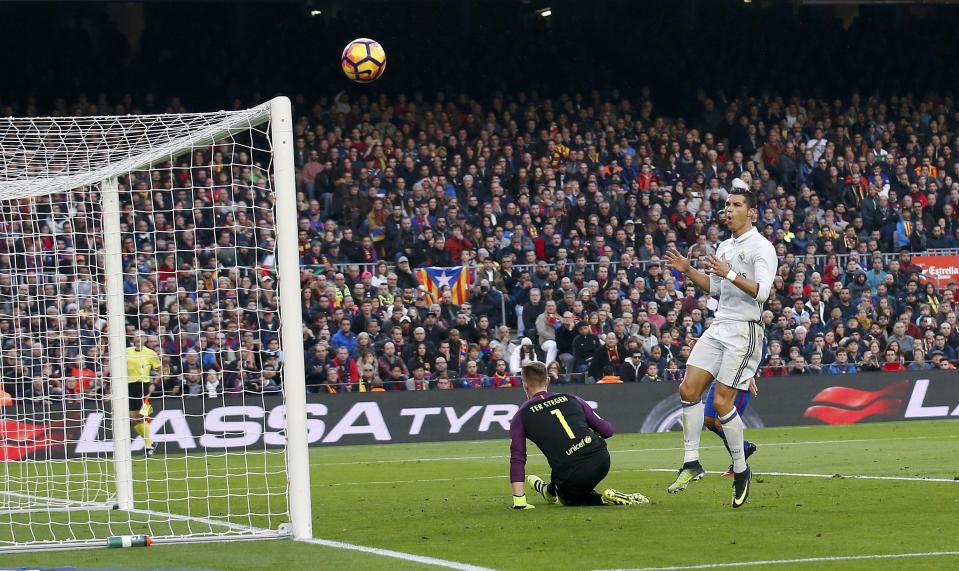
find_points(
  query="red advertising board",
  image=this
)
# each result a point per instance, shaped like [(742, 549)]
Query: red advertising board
[(940, 269)]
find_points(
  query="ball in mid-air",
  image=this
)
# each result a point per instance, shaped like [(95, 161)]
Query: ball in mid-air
[(363, 60)]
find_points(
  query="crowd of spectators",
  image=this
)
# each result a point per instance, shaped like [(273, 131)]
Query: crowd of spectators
[(560, 208)]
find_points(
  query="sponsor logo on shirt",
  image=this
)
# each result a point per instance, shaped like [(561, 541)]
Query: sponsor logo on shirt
[(579, 445)]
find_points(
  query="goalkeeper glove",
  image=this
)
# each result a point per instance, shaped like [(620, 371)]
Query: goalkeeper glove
[(519, 503)]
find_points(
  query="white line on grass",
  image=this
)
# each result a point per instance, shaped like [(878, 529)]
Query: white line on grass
[(427, 481), (502, 456), (219, 471), (400, 555), (251, 489), (836, 476), (628, 450), (670, 470), (788, 561), (60, 502), (208, 521), (266, 534), (207, 471)]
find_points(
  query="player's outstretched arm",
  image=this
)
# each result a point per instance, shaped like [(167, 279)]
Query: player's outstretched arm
[(517, 451), (517, 463), (519, 497), (677, 261)]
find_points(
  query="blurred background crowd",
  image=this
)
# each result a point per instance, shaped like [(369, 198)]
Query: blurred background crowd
[(559, 202)]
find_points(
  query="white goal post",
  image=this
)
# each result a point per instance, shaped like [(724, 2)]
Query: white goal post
[(172, 234)]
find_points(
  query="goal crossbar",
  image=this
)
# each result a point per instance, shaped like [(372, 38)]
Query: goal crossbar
[(25, 162)]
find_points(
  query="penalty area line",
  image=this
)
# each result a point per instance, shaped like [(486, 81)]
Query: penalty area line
[(793, 561), (445, 563)]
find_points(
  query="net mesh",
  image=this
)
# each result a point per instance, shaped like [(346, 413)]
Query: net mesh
[(198, 260), (40, 155)]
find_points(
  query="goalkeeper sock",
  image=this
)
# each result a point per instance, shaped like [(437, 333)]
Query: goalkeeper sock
[(692, 429), (143, 429), (147, 441)]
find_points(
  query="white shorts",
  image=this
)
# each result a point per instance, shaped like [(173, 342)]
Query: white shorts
[(730, 351)]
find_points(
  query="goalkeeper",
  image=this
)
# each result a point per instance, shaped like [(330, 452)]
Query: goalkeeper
[(572, 437), (143, 368)]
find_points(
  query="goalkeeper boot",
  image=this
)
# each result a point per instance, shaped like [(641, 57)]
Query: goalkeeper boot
[(749, 452), (741, 487), (613, 497), (690, 472), (148, 451), (542, 488)]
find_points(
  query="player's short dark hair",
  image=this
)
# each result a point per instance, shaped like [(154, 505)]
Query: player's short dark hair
[(534, 373), (747, 194)]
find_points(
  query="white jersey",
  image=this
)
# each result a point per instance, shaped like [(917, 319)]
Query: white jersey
[(754, 257)]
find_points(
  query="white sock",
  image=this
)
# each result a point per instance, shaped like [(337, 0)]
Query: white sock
[(733, 428), (692, 430)]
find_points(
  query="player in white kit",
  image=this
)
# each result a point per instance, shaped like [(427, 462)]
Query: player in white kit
[(729, 351)]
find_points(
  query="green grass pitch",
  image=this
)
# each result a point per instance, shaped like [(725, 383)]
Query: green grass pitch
[(450, 501)]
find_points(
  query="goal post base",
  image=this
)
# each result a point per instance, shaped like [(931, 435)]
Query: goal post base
[(102, 543)]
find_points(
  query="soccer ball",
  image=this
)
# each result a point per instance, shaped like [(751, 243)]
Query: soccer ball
[(363, 60)]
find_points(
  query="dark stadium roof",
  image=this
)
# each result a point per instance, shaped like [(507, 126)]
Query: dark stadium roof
[(211, 52)]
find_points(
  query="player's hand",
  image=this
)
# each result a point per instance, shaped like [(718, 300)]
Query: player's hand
[(519, 503), (676, 261), (714, 265), (753, 387)]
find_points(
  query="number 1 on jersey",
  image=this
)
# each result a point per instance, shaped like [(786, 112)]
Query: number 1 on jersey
[(562, 420)]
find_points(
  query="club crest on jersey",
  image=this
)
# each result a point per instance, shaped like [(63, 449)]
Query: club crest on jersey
[(742, 256)]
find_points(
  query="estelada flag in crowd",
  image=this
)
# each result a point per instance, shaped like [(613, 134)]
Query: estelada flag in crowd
[(435, 279)]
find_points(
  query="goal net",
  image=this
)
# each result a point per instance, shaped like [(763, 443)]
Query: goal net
[(139, 256)]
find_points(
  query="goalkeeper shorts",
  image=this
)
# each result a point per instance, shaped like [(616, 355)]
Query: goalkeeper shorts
[(576, 483), (135, 394)]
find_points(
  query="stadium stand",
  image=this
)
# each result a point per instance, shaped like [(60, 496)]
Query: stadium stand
[(558, 210)]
